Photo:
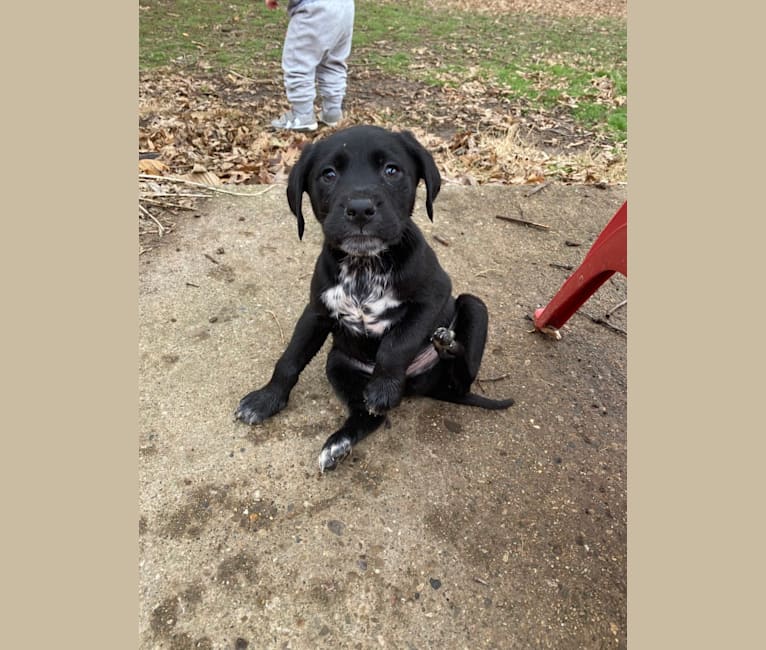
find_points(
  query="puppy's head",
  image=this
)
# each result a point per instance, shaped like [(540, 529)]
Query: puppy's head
[(362, 183)]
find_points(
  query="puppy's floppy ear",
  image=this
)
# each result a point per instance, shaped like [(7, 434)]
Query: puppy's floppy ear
[(297, 184), (427, 169)]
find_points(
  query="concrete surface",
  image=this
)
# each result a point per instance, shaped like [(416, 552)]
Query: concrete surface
[(453, 528)]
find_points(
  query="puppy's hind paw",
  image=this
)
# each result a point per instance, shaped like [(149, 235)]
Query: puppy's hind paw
[(443, 339), (333, 452)]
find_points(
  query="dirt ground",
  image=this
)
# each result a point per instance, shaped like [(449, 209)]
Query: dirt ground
[(453, 528)]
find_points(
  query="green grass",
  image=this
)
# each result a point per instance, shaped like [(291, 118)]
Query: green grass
[(235, 34), (545, 63)]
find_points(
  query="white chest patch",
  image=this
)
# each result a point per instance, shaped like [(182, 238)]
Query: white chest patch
[(362, 297)]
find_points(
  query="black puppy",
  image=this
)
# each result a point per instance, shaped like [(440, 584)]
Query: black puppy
[(377, 287)]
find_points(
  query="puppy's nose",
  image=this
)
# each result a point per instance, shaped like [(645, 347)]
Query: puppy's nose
[(360, 210)]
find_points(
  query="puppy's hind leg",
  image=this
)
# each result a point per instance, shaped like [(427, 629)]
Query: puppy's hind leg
[(461, 350), (463, 345), (349, 384)]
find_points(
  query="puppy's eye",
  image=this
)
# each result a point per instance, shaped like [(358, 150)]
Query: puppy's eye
[(391, 170), (329, 174)]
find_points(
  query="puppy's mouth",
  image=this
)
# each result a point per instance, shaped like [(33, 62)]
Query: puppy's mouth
[(363, 245)]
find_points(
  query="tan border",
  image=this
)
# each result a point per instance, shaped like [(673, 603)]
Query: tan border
[(69, 313), (72, 546), (695, 509)]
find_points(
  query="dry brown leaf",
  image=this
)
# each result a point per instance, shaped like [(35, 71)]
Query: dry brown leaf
[(206, 178), (474, 131), (154, 167)]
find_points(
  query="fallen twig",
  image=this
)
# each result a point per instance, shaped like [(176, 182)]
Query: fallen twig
[(488, 380), (211, 258), (601, 321), (161, 228), (539, 188), (191, 284), (212, 188), (176, 195), (615, 308), (566, 267), (165, 204), (276, 320), (483, 272), (441, 240), (500, 378), (241, 76), (523, 222)]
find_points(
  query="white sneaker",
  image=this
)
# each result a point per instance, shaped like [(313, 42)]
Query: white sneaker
[(330, 118), (294, 122)]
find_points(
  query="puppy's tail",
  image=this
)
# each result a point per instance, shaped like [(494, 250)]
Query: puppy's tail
[(471, 399)]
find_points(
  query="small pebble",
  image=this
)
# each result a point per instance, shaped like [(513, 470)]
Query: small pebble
[(336, 526), (452, 426), (435, 583), (213, 319)]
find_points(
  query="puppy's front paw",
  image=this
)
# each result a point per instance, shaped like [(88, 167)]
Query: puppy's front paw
[(335, 449), (259, 405), (382, 394)]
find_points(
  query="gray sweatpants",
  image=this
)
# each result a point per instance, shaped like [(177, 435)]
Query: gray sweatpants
[(316, 47)]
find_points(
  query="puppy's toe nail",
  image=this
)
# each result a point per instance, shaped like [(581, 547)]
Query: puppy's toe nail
[(326, 462)]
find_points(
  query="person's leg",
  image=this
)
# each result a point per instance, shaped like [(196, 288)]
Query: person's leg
[(301, 53), (332, 70)]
